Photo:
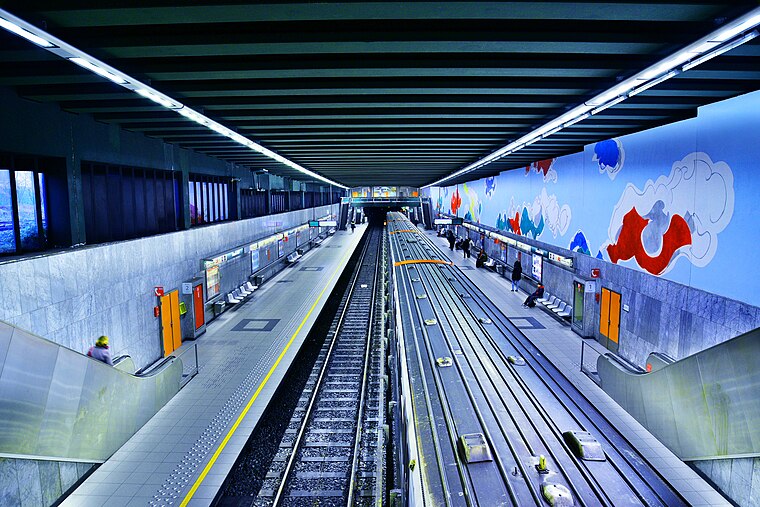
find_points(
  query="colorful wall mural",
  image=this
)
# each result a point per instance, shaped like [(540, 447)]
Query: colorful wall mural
[(663, 201)]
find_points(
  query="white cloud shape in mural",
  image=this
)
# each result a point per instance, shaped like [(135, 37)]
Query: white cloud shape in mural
[(699, 190), (556, 217)]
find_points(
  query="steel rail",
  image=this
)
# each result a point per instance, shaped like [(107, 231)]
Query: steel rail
[(661, 489), (519, 397), (292, 459), (450, 302), (365, 374), (404, 274)]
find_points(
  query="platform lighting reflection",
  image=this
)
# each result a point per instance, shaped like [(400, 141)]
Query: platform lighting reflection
[(56, 46), (706, 48)]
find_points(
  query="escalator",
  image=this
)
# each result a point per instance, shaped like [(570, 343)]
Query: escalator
[(57, 404), (702, 407)]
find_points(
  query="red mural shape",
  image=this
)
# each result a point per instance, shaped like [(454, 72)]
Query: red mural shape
[(456, 201), (544, 166), (514, 224), (629, 244)]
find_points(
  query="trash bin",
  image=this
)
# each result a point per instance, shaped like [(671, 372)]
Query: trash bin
[(219, 307)]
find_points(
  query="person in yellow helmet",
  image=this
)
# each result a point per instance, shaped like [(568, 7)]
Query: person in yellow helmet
[(100, 351)]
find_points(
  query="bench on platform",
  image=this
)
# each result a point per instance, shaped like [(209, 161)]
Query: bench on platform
[(294, 257), (556, 307)]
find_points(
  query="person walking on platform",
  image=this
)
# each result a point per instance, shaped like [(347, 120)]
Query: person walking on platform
[(516, 275), (452, 239), (100, 351), (353, 226), (466, 247)]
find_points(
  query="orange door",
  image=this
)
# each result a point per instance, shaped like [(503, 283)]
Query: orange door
[(170, 326), (604, 314), (176, 326), (200, 317), (166, 325), (614, 328)]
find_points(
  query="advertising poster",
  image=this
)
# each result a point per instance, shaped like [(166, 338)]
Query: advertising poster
[(254, 260), (537, 267), (212, 282), (280, 248)]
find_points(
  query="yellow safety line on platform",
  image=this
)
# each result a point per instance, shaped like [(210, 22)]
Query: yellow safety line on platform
[(234, 428), (402, 230), (422, 261)]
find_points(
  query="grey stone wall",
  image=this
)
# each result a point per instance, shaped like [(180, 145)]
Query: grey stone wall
[(738, 478), (74, 296), (36, 483)]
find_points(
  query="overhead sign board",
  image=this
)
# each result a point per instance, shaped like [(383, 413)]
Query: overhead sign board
[(323, 223), (449, 221)]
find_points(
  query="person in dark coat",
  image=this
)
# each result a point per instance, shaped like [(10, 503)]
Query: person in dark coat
[(481, 260), (100, 351), (516, 275), (530, 301), (466, 247), (452, 239)]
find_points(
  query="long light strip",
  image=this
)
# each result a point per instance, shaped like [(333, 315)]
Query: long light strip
[(710, 46), (56, 46)]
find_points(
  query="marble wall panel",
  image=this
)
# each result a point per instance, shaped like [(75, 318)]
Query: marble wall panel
[(68, 473), (9, 490), (741, 480), (30, 490), (38, 320), (57, 279), (27, 292), (50, 481), (754, 495)]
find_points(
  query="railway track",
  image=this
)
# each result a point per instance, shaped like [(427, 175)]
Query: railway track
[(521, 410), (329, 455)]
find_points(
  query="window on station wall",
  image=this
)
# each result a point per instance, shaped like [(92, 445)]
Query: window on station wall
[(122, 202), (209, 199), (24, 203), (7, 216)]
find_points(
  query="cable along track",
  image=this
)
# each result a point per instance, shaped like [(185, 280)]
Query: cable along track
[(521, 410), (326, 452)]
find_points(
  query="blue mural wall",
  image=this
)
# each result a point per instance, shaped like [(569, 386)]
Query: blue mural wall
[(677, 201)]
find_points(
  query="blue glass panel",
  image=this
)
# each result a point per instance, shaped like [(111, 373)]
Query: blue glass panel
[(225, 206), (191, 198), (43, 204), (7, 239), (205, 203), (27, 210)]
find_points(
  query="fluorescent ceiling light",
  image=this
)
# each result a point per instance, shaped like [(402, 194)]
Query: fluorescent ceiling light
[(654, 82), (709, 46), (98, 70), (723, 49), (158, 99), (613, 92), (63, 50), (13, 27), (667, 64), (576, 120), (729, 32), (609, 104)]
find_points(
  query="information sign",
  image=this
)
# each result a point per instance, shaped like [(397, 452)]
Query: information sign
[(323, 223), (449, 221)]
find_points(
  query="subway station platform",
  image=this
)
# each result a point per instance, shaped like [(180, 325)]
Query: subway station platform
[(563, 348), (183, 454)]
